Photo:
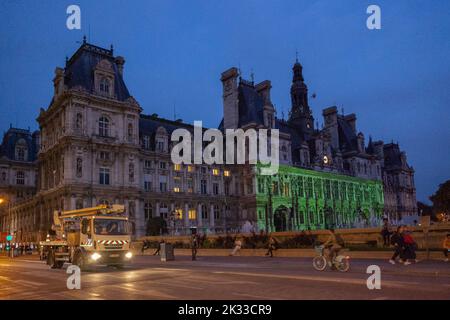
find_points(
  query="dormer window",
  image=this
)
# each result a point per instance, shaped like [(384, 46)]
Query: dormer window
[(21, 150), (104, 85)]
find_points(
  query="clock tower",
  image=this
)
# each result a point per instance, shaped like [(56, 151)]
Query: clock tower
[(300, 115)]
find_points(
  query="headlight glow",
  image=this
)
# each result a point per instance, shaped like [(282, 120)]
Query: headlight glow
[(95, 256), (128, 255)]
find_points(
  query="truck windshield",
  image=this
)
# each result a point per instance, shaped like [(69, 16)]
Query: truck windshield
[(110, 227)]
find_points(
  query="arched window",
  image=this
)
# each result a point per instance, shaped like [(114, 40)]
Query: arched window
[(103, 127), (79, 167), (79, 121), (104, 85), (104, 201), (20, 177)]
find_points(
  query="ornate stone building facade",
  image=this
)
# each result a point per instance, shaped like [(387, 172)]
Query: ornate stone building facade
[(95, 146)]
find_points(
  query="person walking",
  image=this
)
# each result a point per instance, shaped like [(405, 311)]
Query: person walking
[(410, 247), (399, 246), (158, 250), (385, 232), (194, 246), (272, 247), (446, 246), (237, 247)]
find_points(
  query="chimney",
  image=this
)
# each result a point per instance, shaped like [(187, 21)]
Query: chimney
[(120, 61), (230, 98)]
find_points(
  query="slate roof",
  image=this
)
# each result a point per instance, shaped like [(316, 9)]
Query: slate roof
[(80, 68), (12, 136), (251, 104)]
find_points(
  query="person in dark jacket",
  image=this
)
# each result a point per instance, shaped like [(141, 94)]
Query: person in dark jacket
[(272, 247), (385, 232), (194, 246), (397, 242), (410, 247)]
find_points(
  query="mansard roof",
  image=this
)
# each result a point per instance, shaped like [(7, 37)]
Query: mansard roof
[(251, 104), (80, 68), (12, 137)]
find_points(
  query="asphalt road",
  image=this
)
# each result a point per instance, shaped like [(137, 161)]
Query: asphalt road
[(235, 278)]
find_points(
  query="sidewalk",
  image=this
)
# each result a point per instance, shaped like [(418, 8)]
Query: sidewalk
[(296, 253)]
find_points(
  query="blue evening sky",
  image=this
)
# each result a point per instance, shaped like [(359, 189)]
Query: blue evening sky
[(396, 79)]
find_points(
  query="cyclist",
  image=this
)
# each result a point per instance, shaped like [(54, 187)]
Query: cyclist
[(334, 244)]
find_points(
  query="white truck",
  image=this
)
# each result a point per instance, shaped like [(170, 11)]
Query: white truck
[(92, 236)]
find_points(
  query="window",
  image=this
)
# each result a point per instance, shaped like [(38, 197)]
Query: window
[(78, 121), (177, 184), (148, 210), (203, 186), (215, 172), (203, 170), (20, 177), (204, 212), (104, 176), (162, 165), (20, 154), (104, 155), (178, 213), (177, 167), (131, 172), (147, 182), (160, 145), (147, 164), (104, 85), (103, 127), (216, 212), (192, 214), (190, 185), (79, 170), (226, 173), (163, 210), (190, 169), (162, 183), (216, 188), (146, 142), (130, 132), (227, 188)]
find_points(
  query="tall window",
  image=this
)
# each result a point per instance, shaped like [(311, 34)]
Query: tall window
[(192, 213), (163, 183), (148, 210), (190, 185), (79, 167), (176, 184), (103, 127), (104, 85), (147, 182), (160, 145), (21, 154), (216, 212), (146, 142), (104, 176), (203, 186), (204, 212), (131, 172), (79, 121), (130, 132), (215, 188), (20, 177)]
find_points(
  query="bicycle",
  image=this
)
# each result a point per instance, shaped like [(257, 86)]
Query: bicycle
[(320, 262)]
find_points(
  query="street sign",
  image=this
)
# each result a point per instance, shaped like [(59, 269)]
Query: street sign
[(9, 237)]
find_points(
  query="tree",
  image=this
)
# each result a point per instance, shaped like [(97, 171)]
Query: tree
[(156, 226), (441, 199), (425, 210)]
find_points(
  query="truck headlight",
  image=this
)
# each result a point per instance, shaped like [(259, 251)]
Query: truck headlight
[(95, 256), (128, 255)]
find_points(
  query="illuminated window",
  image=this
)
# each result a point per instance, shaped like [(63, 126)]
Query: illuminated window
[(177, 184), (192, 214), (176, 189), (215, 172), (177, 167), (190, 168), (178, 213), (226, 173), (190, 185)]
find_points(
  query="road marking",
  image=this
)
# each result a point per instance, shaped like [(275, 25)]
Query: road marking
[(393, 284)]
